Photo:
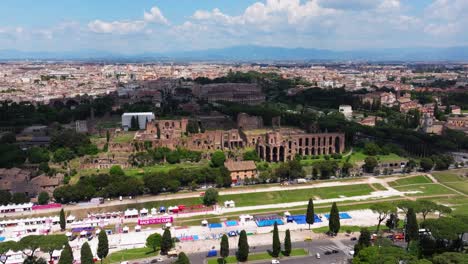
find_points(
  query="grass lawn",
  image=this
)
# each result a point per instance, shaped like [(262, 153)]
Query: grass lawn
[(378, 186), (125, 137), (296, 252), (448, 177), (250, 199), (130, 254), (411, 180), (459, 186), (425, 189)]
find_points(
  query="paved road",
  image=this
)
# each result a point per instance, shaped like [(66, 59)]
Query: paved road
[(314, 246)]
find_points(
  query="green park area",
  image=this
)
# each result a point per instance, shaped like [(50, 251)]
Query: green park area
[(454, 179), (130, 254), (124, 137), (353, 157), (410, 180), (297, 252)]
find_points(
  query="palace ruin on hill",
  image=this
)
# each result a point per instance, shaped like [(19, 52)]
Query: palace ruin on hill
[(272, 144)]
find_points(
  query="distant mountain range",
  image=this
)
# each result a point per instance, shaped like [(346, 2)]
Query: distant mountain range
[(254, 53)]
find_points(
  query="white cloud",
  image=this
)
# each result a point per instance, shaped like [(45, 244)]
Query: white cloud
[(155, 15), (119, 27)]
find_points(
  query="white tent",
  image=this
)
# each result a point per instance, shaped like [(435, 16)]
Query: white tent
[(144, 212), (229, 204), (131, 213), (68, 234), (154, 211)]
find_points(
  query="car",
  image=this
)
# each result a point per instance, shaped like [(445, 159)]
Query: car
[(351, 252), (275, 261), (353, 238), (317, 255), (157, 260), (328, 252), (334, 251)]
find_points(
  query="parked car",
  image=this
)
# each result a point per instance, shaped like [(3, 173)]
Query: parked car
[(353, 238), (334, 251), (317, 255), (328, 252), (275, 261)]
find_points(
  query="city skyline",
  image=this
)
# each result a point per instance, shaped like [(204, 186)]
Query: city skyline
[(126, 27)]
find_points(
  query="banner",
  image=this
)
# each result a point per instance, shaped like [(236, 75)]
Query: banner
[(154, 221)]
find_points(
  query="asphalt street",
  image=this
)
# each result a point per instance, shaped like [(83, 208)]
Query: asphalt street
[(320, 246)]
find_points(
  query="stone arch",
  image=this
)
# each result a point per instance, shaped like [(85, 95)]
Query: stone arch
[(275, 154), (300, 151), (330, 150), (300, 142), (281, 153), (268, 153), (337, 145), (307, 142), (306, 151)]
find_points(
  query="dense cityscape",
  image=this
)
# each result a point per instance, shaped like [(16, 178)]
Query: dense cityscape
[(159, 159)]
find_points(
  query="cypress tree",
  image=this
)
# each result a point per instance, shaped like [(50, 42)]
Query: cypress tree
[(86, 254), (62, 220), (334, 220), (411, 227), (276, 242), (287, 243), (182, 259), (103, 246), (166, 243), (243, 247), (66, 257), (363, 242), (224, 249), (310, 213)]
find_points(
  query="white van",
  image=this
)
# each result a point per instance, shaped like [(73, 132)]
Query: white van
[(317, 255)]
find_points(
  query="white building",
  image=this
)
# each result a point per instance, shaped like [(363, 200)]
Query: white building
[(142, 119), (347, 111)]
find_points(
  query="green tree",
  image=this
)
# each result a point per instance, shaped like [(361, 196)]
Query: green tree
[(443, 210), (86, 254), (166, 243), (107, 136), (405, 205), (369, 164), (334, 220), (310, 214), (425, 207), (29, 244), (363, 241), (287, 243), (224, 247), (383, 254), (243, 247), (182, 259), (426, 164), (37, 155), (4, 248), (383, 210), (210, 197), (19, 198), (412, 227), (450, 258), (251, 155), (51, 243), (66, 257), (34, 260), (62, 220), (154, 241), (276, 250), (43, 198), (5, 197), (103, 246), (116, 170), (218, 158), (371, 149)]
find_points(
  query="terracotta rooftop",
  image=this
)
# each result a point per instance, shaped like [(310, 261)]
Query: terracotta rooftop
[(240, 165)]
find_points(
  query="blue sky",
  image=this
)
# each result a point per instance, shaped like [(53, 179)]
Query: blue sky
[(136, 26)]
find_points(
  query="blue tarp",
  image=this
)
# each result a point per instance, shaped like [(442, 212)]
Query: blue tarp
[(301, 219), (2, 239), (342, 216), (215, 225), (269, 222), (231, 223)]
